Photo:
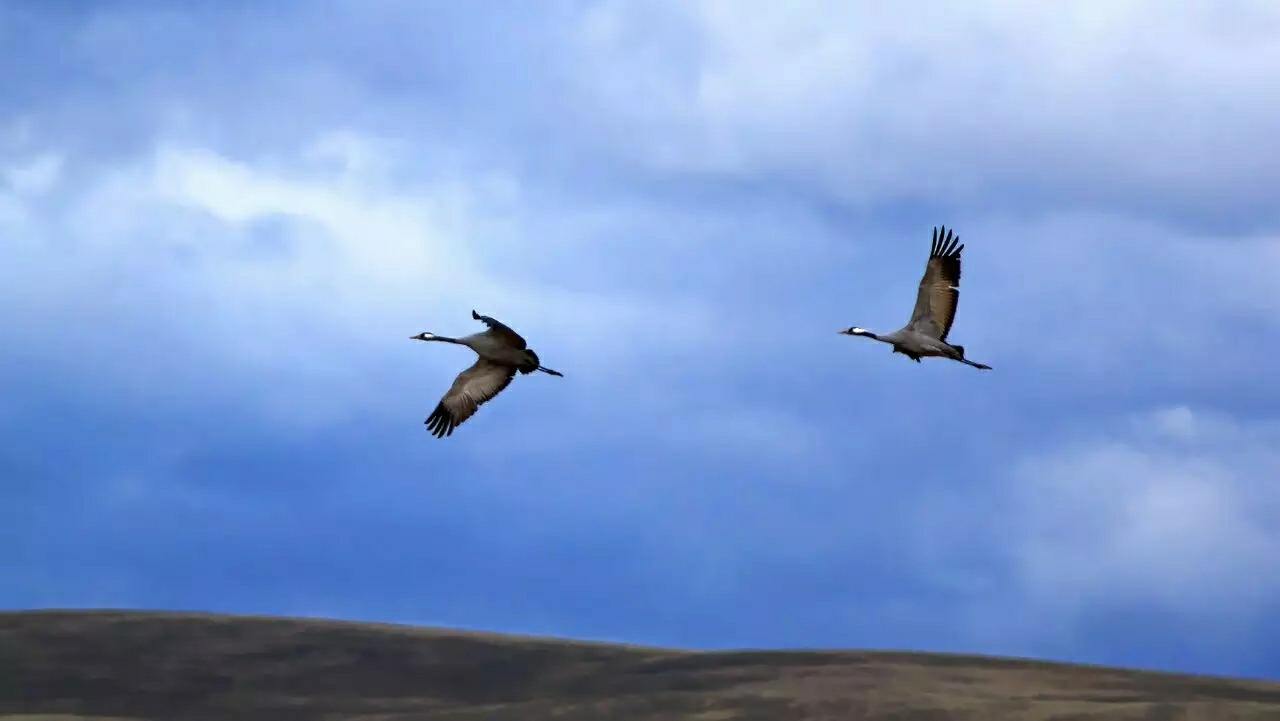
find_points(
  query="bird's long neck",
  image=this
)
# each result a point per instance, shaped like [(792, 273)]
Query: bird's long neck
[(444, 339)]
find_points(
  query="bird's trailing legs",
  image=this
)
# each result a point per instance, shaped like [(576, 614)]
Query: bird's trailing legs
[(959, 349)]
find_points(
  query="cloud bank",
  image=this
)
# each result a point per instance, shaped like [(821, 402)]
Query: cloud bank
[(219, 226)]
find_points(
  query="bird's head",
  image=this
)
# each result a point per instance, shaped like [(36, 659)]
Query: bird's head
[(423, 336), (855, 330)]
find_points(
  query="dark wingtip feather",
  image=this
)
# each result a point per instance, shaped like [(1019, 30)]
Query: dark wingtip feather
[(474, 314), (945, 243), (439, 423)]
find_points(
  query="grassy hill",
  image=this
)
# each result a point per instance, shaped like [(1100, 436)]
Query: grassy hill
[(59, 666)]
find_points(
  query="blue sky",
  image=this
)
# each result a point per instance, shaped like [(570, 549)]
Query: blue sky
[(220, 223)]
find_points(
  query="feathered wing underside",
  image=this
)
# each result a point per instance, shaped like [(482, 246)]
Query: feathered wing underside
[(473, 387), (501, 330), (939, 288)]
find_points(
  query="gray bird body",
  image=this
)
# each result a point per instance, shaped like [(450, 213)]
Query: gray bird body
[(492, 348), (501, 353), (925, 335)]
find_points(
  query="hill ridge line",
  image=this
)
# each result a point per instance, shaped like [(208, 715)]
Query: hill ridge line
[(427, 631)]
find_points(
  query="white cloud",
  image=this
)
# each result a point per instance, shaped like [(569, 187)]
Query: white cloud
[(1176, 422), (1094, 294), (981, 104), (13, 213), (33, 176), (1169, 513), (305, 271), (366, 244), (1180, 519), (23, 178)]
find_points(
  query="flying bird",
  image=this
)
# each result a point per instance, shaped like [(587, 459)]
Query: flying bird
[(502, 352), (926, 334)]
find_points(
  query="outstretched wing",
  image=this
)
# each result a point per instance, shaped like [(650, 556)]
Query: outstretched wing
[(499, 329), (473, 387), (939, 288)]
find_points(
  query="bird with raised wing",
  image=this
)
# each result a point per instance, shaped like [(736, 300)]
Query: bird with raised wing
[(502, 352), (926, 334)]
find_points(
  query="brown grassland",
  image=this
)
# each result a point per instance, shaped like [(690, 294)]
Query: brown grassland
[(109, 666)]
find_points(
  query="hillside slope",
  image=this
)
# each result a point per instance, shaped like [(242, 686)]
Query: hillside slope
[(57, 666)]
